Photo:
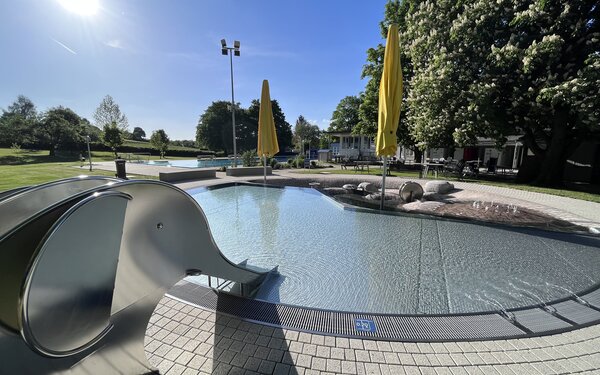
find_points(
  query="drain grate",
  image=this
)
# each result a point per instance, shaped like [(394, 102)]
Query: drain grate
[(483, 326)]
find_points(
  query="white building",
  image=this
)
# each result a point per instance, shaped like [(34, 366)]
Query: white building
[(509, 156), (353, 146)]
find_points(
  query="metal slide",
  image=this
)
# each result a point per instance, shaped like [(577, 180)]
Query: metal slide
[(82, 276)]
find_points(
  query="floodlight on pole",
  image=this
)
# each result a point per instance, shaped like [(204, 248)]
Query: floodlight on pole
[(232, 51)]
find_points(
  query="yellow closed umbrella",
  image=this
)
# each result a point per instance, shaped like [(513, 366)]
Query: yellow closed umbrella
[(390, 101), (267, 137)]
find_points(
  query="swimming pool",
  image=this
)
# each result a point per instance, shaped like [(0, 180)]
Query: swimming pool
[(204, 163), (350, 260)]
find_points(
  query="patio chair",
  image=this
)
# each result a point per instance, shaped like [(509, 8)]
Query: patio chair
[(455, 168), (492, 165)]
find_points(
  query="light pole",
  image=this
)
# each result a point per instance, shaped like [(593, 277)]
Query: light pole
[(87, 139), (232, 51)]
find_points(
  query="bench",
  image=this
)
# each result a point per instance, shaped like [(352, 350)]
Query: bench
[(191, 174), (248, 171)]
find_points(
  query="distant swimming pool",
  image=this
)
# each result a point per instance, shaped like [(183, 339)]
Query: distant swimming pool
[(347, 260), (205, 163)]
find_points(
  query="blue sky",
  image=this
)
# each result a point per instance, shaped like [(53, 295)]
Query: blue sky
[(161, 60)]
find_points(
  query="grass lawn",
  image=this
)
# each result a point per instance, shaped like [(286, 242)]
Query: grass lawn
[(415, 174), (146, 144), (25, 167)]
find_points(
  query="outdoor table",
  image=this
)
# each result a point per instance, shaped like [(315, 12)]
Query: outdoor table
[(361, 165), (434, 167)]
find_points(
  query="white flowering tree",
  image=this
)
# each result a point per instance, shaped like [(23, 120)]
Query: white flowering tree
[(532, 68), (497, 68)]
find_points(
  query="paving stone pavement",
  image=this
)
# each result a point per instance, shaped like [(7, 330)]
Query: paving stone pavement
[(185, 339)]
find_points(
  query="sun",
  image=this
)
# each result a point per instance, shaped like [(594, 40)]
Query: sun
[(81, 7)]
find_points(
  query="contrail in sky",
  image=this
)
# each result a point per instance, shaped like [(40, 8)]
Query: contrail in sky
[(65, 47)]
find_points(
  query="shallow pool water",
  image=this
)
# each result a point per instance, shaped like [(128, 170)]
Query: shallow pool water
[(349, 260), (202, 163)]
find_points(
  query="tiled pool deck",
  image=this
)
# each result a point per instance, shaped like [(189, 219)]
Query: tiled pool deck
[(186, 339)]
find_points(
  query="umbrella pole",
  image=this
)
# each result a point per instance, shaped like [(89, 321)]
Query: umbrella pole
[(383, 182), (265, 169)]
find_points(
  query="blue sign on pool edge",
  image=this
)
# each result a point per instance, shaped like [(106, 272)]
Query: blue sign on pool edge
[(365, 325)]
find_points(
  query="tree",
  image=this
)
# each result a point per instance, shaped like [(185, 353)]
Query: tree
[(160, 141), (108, 112), (184, 143), (14, 129), (112, 137), (24, 107), (494, 69), (479, 68), (306, 133), (138, 134), (91, 131), (60, 128), (17, 123), (325, 140), (282, 127), (345, 117), (214, 127)]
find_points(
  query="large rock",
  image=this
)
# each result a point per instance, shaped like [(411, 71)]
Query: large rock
[(350, 187), (367, 186), (440, 187)]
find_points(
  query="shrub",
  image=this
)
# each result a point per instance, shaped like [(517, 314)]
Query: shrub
[(299, 163), (273, 162), (249, 158), (16, 148), (313, 164), (290, 161), (222, 169)]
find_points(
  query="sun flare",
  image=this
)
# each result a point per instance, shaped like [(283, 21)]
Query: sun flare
[(81, 7)]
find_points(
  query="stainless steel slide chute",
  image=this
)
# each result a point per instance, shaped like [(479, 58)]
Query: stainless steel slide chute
[(83, 274)]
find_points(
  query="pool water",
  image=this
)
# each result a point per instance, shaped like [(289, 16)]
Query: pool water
[(204, 163), (350, 260)]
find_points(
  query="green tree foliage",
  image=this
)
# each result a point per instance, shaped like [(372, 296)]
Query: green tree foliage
[(23, 107), (495, 68), (184, 143), (345, 117), (14, 129), (138, 134), (60, 128), (249, 158), (306, 133), (17, 123), (282, 127), (214, 128), (160, 141), (112, 137), (324, 140), (90, 130), (109, 112)]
